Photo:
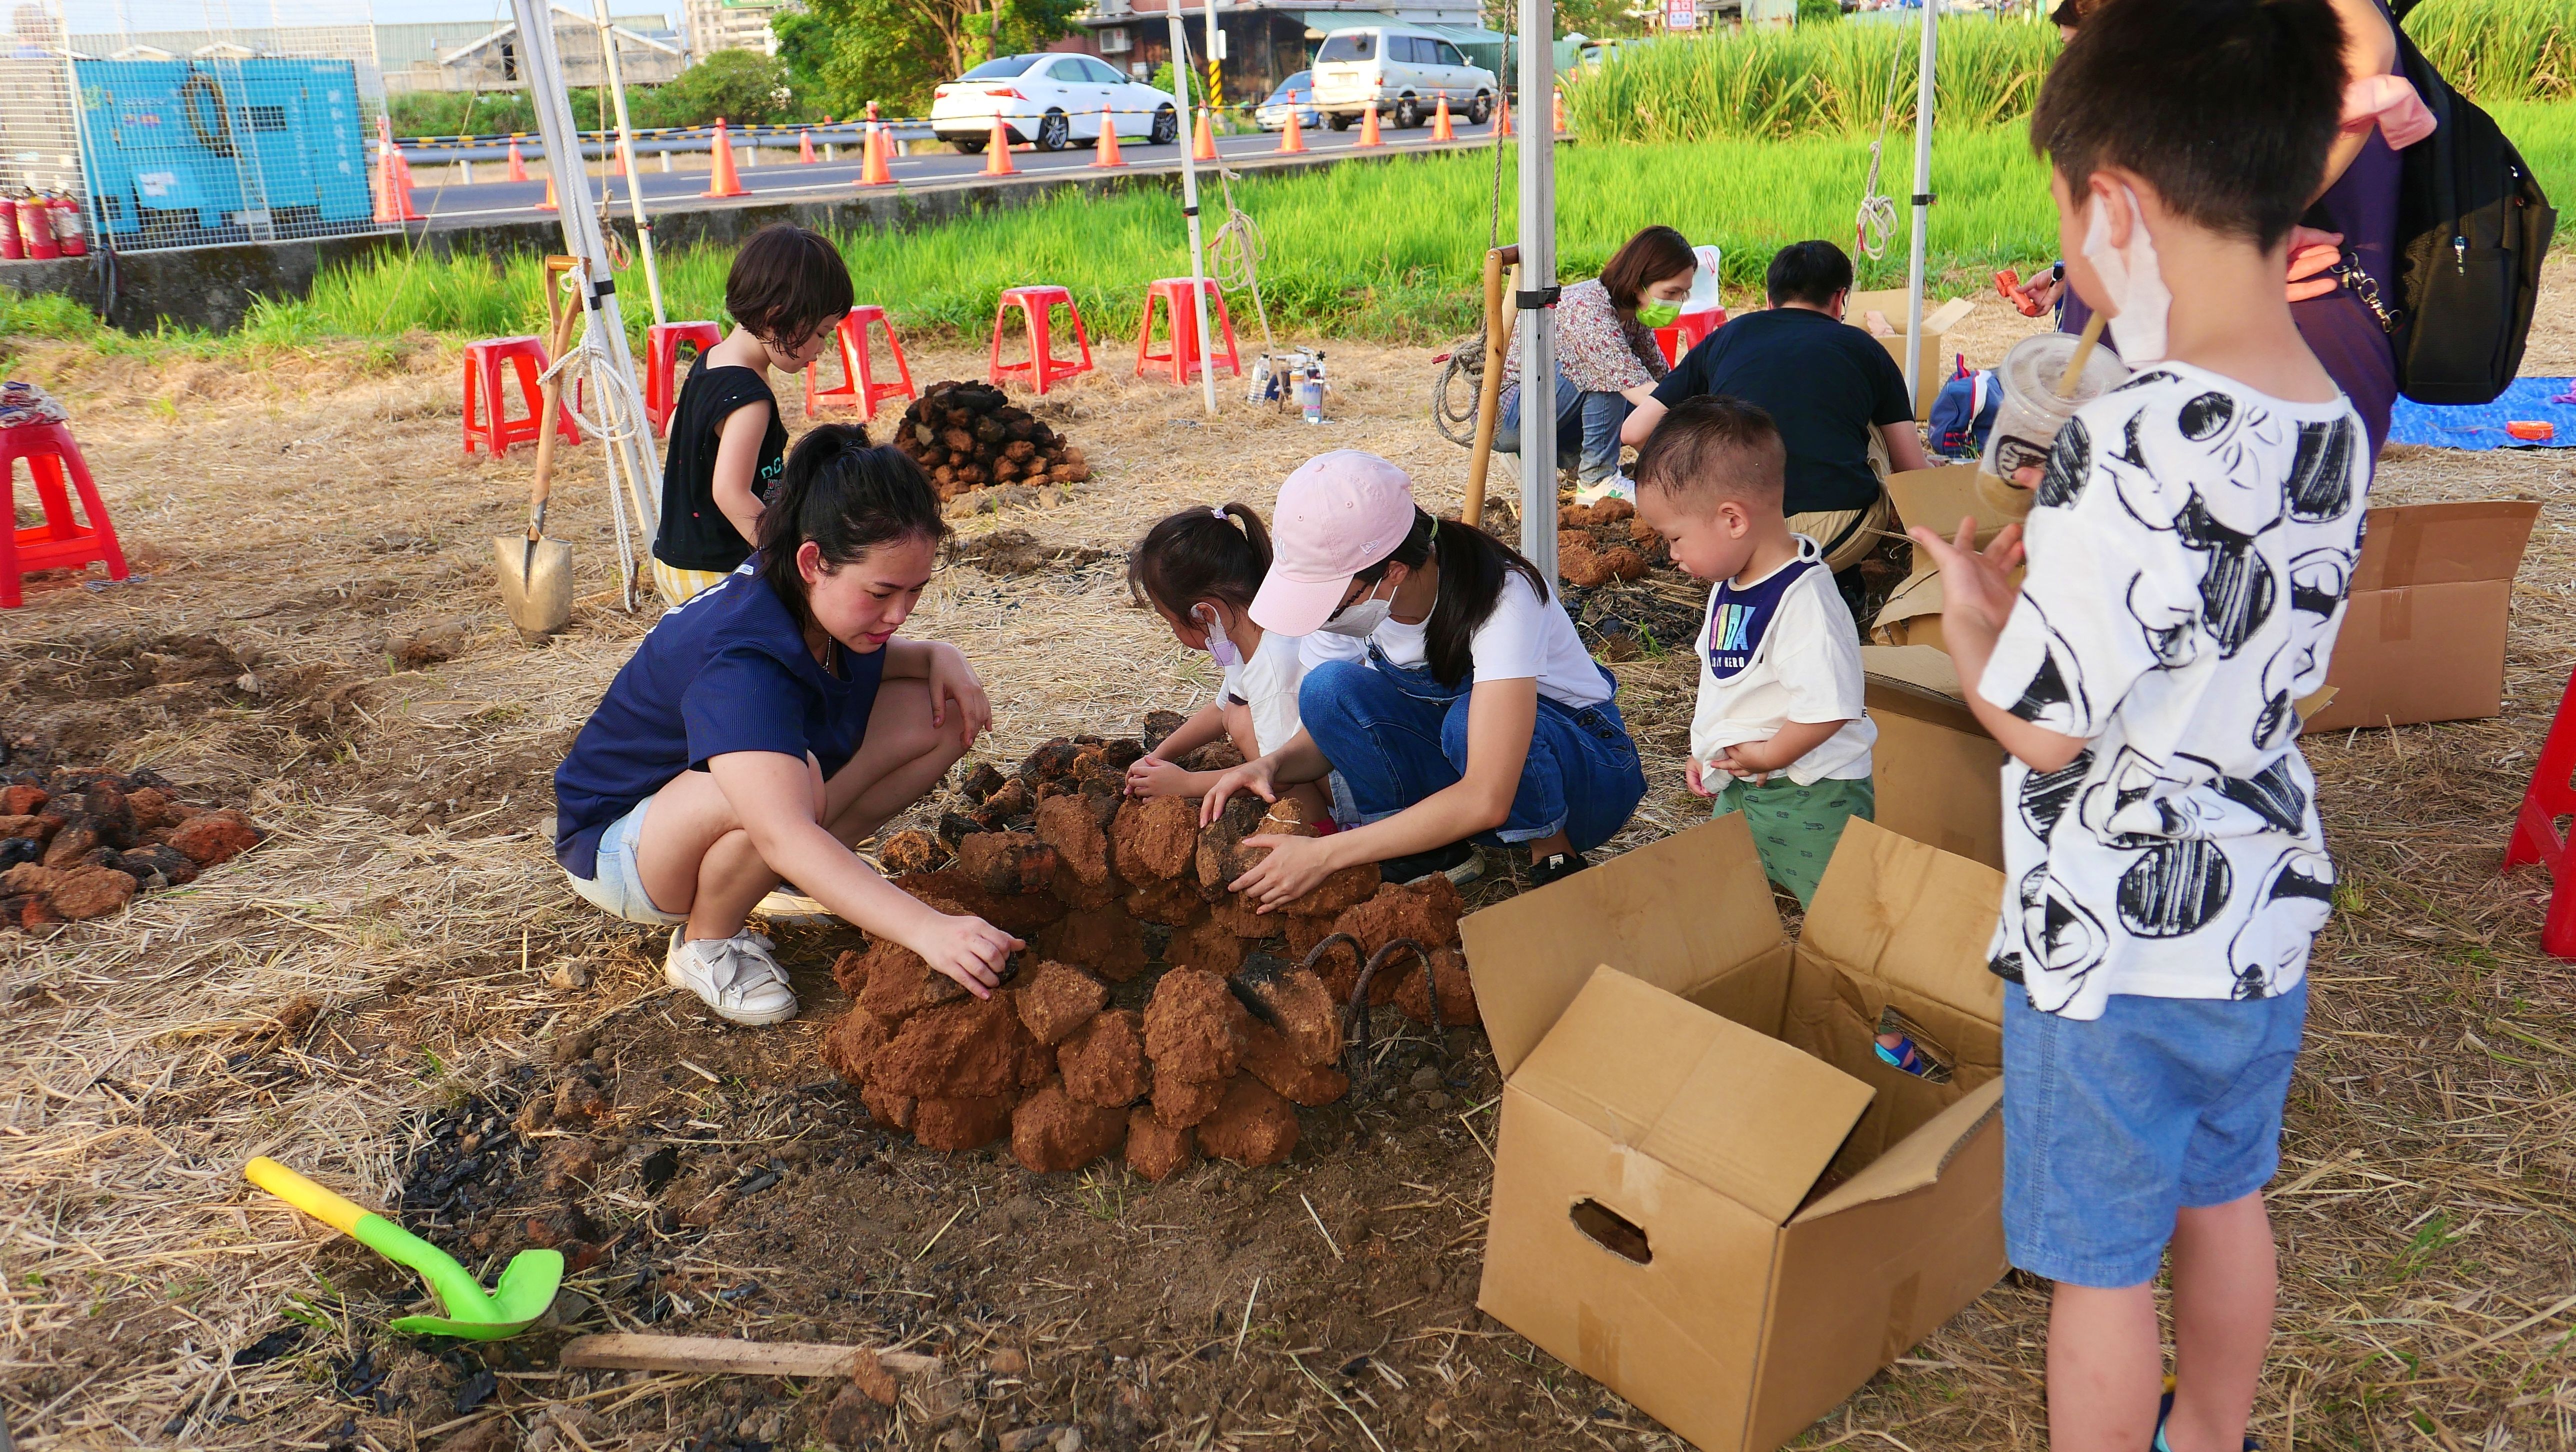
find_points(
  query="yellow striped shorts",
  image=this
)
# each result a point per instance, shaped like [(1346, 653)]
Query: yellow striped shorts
[(679, 586)]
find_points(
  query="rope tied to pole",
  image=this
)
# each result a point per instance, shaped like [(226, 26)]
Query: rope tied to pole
[(1874, 225)]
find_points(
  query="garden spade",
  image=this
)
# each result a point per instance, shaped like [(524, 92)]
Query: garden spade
[(526, 1288), (536, 572)]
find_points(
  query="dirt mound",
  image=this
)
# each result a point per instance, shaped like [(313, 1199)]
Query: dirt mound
[(78, 843)]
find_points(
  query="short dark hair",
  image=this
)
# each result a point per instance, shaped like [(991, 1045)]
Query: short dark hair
[(1807, 272), (2227, 108), (786, 282), (1713, 447), (1648, 258), (848, 497), (1201, 553)]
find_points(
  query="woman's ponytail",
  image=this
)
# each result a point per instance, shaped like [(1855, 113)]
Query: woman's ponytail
[(846, 496), (1474, 567)]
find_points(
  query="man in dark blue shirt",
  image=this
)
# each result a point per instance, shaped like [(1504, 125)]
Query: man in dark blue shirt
[(1827, 385)]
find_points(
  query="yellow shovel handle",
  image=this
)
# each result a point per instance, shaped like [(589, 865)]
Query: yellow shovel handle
[(333, 1210)]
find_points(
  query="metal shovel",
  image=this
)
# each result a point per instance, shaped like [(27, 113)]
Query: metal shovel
[(526, 1288), (536, 572)]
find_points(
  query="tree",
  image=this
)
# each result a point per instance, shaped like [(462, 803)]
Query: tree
[(742, 86), (897, 51)]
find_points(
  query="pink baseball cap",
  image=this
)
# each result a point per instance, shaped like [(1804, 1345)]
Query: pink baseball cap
[(1337, 515)]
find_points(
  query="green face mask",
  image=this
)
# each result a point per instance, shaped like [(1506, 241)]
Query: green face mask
[(1659, 314)]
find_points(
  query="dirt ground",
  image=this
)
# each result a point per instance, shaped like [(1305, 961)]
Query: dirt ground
[(374, 994)]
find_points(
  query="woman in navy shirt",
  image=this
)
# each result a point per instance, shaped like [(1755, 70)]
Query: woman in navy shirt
[(770, 723)]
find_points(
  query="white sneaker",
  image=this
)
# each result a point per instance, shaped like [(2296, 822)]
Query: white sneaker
[(1617, 486), (788, 904), (736, 977)]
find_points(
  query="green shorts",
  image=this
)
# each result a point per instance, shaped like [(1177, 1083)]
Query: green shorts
[(1795, 827)]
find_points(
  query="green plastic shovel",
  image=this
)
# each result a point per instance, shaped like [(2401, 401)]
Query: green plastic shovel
[(526, 1288)]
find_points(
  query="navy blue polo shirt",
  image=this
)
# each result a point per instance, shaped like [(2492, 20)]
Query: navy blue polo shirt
[(728, 671)]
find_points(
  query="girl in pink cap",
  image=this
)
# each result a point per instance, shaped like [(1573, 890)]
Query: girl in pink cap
[(1447, 697)]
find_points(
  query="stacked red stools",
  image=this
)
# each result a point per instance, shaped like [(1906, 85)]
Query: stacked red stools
[(1037, 304), (1686, 331), (858, 387), (527, 358), (662, 365), (61, 542), (1185, 354), (2537, 837)]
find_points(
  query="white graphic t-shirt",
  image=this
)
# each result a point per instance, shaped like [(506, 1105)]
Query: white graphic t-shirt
[(2190, 548)]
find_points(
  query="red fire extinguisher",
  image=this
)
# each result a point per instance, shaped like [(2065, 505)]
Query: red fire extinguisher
[(11, 247), (69, 227), (36, 227)]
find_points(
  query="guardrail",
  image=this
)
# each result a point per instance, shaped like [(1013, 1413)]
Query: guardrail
[(689, 140)]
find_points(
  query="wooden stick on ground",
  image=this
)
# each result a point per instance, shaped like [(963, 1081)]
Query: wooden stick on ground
[(723, 1355)]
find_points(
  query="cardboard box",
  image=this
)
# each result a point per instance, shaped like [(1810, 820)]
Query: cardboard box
[(1938, 775), (1709, 1193), (2423, 634), (1936, 499), (1938, 320)]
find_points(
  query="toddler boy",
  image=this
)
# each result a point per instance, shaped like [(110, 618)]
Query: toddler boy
[(2192, 537), (1778, 734)]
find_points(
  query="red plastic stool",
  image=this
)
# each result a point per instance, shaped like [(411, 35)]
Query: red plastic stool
[(662, 361), (1185, 356), (483, 360), (858, 387), (1686, 332), (1037, 304), (60, 542), (2537, 837)]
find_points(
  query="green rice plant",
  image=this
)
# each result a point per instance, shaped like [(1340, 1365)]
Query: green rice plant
[(1806, 80), (2500, 50)]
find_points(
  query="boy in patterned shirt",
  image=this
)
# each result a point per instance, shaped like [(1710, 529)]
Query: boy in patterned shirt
[(2189, 547)]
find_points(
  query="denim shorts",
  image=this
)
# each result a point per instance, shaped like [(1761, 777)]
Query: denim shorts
[(2113, 1125), (618, 890)]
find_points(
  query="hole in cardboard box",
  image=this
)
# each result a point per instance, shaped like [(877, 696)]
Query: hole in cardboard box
[(1612, 1231)]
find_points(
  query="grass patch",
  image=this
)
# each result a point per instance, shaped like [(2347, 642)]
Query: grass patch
[(1387, 251)]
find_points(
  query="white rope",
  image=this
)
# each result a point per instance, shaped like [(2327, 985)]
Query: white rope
[(1874, 225), (618, 426)]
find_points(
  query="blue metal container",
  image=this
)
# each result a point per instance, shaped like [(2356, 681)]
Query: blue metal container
[(186, 152)]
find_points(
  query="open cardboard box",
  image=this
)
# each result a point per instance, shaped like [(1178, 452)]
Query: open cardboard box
[(1709, 1193), (1938, 775), (1938, 320), (2424, 629), (1936, 499)]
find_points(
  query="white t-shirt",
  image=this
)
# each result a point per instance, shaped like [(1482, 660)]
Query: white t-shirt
[(2191, 544), (1783, 649), (1268, 683), (1525, 638)]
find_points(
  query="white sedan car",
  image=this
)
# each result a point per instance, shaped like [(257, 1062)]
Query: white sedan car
[(1052, 98)]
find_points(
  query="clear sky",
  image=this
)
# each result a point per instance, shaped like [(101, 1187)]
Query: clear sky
[(497, 12)]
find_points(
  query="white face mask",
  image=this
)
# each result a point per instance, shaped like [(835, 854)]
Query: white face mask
[(2136, 286), (1361, 617), (1218, 644)]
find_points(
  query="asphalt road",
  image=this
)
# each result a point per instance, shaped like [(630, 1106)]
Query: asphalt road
[(441, 197)]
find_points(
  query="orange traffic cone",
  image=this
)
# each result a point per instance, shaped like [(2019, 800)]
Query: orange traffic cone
[(1107, 153), (997, 152), (548, 205), (518, 163), (1503, 114), (1204, 148), (1441, 130), (873, 171), (1560, 113), (1368, 129), (1291, 139), (722, 181), (804, 146)]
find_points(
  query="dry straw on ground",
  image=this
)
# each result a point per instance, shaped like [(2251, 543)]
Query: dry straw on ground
[(401, 944)]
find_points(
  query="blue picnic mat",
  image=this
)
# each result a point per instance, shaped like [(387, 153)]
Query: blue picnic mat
[(2481, 425)]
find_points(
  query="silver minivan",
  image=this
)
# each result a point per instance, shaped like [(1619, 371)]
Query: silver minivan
[(1400, 70)]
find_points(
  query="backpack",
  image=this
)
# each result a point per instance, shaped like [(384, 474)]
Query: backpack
[(2472, 230), (1964, 411)]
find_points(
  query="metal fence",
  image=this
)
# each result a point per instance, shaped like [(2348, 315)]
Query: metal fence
[(158, 124)]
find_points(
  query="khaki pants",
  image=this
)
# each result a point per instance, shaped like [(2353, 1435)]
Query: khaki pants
[(1847, 536)]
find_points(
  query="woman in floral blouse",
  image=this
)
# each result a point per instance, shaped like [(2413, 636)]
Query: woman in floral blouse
[(1606, 358)]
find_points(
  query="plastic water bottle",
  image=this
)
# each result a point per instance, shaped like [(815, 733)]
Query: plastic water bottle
[(1310, 396)]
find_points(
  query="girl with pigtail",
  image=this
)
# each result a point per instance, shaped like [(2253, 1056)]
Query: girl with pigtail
[(770, 724), (1199, 570)]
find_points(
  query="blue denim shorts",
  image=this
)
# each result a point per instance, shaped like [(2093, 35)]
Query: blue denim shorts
[(2112, 1126), (618, 890)]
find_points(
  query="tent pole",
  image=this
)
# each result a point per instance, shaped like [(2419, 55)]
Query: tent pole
[(626, 151), (1190, 210), (1536, 299), (1922, 204)]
